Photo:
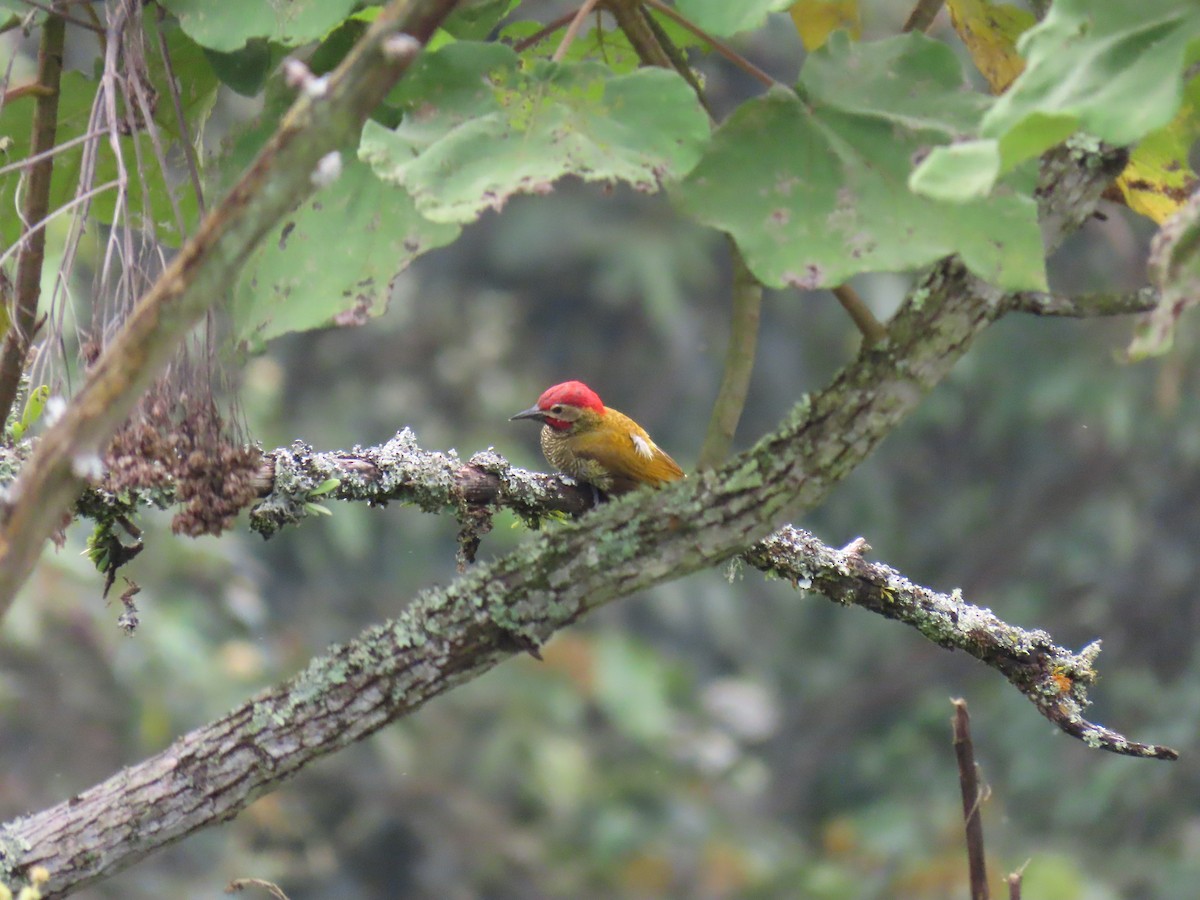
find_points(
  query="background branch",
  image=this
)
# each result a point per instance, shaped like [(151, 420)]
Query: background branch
[(973, 796), (746, 302), (22, 321)]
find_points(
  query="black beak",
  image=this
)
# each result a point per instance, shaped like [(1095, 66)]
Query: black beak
[(532, 413)]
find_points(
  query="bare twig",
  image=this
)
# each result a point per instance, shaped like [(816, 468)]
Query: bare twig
[(86, 197), (32, 89), (1084, 306), (544, 32), (1052, 677), (27, 288), (53, 11), (240, 884), (160, 155), (922, 15), (53, 151), (972, 797), (739, 363), (721, 47), (185, 137), (1014, 885), (872, 330), (576, 23)]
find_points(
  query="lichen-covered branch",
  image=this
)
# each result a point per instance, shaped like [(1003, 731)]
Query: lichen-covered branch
[(319, 123), (1054, 678)]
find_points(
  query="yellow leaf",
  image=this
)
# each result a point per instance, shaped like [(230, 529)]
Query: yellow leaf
[(817, 19), (990, 31), (1158, 178)]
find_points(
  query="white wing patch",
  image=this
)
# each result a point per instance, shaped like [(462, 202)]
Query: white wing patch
[(643, 447)]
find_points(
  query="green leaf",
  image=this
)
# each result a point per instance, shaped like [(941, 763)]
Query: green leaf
[(221, 27), (723, 18), (958, 171), (244, 70), (34, 405), (482, 127), (474, 20), (1114, 67), (1113, 70), (816, 190), (332, 261), (195, 78)]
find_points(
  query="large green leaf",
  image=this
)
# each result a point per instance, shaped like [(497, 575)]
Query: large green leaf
[(814, 187), (226, 27), (481, 127), (1111, 69), (331, 263)]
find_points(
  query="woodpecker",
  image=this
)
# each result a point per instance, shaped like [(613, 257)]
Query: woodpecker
[(586, 440)]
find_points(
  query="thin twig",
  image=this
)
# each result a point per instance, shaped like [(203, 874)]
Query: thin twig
[(739, 364), (34, 208), (544, 32), (160, 155), (722, 48), (50, 10), (65, 208), (185, 137), (577, 21), (1084, 306), (240, 884), (1014, 886), (32, 89), (922, 15), (972, 795), (872, 330), (53, 151)]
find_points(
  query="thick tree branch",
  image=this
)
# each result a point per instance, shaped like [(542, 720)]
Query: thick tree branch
[(321, 122), (1052, 677)]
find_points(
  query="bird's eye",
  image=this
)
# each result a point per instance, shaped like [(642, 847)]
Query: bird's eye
[(556, 408)]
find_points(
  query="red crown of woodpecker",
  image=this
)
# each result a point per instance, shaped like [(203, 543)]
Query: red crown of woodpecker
[(571, 393)]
